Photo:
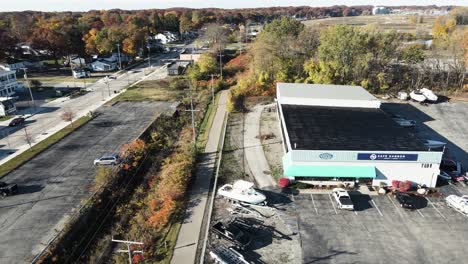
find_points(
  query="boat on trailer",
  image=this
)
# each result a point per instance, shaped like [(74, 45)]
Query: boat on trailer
[(243, 192)]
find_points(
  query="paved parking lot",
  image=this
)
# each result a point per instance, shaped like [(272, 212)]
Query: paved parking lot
[(379, 231), (52, 184)]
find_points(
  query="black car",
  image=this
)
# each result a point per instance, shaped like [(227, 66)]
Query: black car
[(7, 189), (231, 233), (406, 200), (16, 121)]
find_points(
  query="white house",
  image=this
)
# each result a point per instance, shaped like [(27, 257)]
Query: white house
[(166, 37), (8, 83), (103, 66), (7, 106)]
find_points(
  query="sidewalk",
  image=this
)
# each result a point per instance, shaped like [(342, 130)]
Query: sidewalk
[(187, 241)]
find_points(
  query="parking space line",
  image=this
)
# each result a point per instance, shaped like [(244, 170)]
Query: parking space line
[(377, 207), (313, 202), (419, 212), (333, 204), (396, 207), (430, 202)]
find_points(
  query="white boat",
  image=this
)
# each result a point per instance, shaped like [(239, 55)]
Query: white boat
[(242, 191), (417, 96), (434, 144), (429, 94), (458, 203)]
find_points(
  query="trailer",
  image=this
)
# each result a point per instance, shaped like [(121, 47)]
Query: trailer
[(224, 255)]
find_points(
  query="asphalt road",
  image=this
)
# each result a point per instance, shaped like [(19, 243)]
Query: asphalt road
[(48, 119), (52, 184)]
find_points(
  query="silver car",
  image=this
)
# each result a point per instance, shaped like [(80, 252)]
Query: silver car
[(107, 160)]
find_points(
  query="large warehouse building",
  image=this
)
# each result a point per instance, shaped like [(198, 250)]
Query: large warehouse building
[(338, 134)]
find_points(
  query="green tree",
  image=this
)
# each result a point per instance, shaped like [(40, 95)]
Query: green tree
[(413, 54)]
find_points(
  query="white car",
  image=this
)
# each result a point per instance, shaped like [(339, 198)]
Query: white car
[(405, 122), (107, 160), (343, 199)]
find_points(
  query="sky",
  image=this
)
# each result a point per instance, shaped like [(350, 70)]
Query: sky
[(85, 5)]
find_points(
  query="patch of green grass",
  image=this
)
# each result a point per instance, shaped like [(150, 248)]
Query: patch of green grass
[(41, 146), (150, 91), (4, 118), (166, 246), (205, 126)]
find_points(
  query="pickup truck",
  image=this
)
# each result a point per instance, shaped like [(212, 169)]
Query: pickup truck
[(231, 233), (8, 189), (342, 199)]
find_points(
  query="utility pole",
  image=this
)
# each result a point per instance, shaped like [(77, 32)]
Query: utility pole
[(29, 86), (149, 56), (129, 251), (212, 89), (120, 60), (194, 132), (221, 62)]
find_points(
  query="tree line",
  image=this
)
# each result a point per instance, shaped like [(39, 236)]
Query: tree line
[(96, 31), (380, 61)]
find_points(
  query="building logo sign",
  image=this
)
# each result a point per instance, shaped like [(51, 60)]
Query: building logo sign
[(326, 156), (387, 156)]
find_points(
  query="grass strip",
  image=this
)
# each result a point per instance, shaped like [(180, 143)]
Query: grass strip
[(22, 158), (166, 246), (205, 126)]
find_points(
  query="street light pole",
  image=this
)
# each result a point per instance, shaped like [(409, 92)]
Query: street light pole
[(107, 83), (120, 60), (29, 86)]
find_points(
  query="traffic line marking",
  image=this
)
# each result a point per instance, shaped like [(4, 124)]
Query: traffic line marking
[(313, 202), (377, 208), (432, 204), (331, 200)]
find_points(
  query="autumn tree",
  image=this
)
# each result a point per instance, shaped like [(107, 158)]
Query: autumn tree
[(48, 35)]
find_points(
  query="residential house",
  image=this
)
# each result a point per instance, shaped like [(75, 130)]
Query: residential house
[(8, 83), (102, 65), (191, 54), (7, 106), (166, 37), (178, 67), (380, 10)]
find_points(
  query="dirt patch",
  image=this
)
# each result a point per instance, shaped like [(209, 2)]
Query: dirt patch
[(271, 140), (272, 239)]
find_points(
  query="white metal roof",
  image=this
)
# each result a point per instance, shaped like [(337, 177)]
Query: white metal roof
[(325, 95)]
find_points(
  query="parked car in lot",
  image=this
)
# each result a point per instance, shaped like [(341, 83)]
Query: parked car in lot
[(16, 121), (107, 160), (8, 189), (231, 233), (342, 199), (406, 200), (112, 77)]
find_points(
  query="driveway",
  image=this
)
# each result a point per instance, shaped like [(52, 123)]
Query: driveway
[(52, 184)]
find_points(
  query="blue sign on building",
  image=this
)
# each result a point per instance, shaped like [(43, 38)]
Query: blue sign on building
[(387, 156)]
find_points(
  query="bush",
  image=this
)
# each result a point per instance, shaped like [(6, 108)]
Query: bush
[(103, 175), (177, 83)]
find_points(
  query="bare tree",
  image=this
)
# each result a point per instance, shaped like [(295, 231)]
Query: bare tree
[(68, 116), (216, 36), (28, 137)]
